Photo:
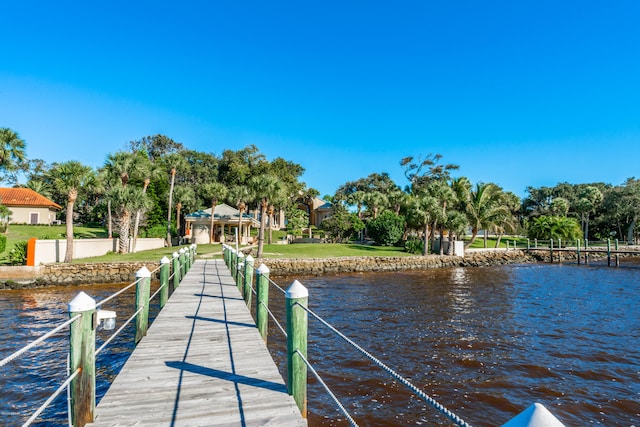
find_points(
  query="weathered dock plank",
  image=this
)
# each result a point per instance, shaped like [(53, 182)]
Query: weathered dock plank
[(202, 363)]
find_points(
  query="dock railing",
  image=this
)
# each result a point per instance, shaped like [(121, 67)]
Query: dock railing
[(85, 316), (296, 333)]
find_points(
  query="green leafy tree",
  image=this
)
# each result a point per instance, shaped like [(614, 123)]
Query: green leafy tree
[(342, 225), (554, 227), (12, 153), (265, 189), (72, 177), (387, 229), (297, 220)]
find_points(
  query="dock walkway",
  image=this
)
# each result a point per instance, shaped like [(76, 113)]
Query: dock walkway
[(202, 363)]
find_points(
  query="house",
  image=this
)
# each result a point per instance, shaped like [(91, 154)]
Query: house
[(318, 210), (226, 221), (28, 207)]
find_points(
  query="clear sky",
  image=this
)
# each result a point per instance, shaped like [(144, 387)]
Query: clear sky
[(515, 92)]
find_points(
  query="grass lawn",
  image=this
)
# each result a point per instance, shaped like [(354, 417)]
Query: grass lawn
[(491, 242)]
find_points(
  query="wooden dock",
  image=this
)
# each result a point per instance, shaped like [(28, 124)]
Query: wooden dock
[(202, 363)]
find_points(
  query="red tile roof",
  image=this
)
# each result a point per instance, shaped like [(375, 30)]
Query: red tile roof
[(25, 197)]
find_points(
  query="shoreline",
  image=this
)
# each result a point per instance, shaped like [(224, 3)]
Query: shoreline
[(50, 275)]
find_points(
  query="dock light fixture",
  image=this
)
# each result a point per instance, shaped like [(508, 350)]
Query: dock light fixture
[(107, 318)]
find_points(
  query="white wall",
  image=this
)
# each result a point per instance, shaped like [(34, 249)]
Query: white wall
[(53, 250)]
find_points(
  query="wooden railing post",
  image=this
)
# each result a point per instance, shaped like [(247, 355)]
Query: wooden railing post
[(82, 347), (164, 280), (578, 250), (175, 265), (297, 297), (528, 244), (608, 252), (183, 263), (233, 259), (143, 276), (586, 251), (551, 249), (194, 251), (617, 255), (535, 243), (248, 279), (262, 300), (238, 270)]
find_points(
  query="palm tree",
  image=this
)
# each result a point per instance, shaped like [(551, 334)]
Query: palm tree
[(71, 177), (239, 195), (374, 201), (420, 211), (481, 204), (11, 150), (149, 171), (185, 197), (214, 191), (175, 162), (128, 199), (118, 170), (265, 188)]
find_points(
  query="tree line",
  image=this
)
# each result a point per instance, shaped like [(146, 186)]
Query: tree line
[(145, 189)]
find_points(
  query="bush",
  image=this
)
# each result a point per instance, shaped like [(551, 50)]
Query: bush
[(3, 243), (18, 255), (386, 229), (414, 246)]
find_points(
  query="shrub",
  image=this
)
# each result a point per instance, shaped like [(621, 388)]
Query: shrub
[(3, 243), (414, 246), (156, 231), (18, 255), (386, 229)]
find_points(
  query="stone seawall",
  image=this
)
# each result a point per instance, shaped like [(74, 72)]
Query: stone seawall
[(292, 266), (75, 274)]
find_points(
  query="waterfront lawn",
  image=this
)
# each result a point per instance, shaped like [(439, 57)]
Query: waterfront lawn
[(491, 242), (17, 233)]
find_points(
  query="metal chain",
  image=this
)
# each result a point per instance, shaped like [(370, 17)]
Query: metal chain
[(333, 397), (38, 341), (452, 416)]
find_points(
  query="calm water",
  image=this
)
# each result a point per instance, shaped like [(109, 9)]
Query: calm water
[(485, 342)]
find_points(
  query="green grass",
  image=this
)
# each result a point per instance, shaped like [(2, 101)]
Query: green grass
[(326, 250), (491, 242)]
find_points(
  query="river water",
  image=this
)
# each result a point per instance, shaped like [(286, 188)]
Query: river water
[(485, 342)]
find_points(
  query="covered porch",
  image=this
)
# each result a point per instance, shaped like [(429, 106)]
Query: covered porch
[(226, 221)]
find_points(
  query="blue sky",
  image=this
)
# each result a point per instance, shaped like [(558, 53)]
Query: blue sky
[(515, 92)]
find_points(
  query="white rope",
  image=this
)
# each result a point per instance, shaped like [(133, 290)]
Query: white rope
[(115, 334), (38, 341), (274, 319), (276, 285), (333, 397), (98, 304), (453, 417), (51, 398), (157, 292)]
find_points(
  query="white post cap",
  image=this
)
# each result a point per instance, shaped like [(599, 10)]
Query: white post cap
[(164, 260), (82, 302), (250, 258), (297, 290), (176, 254), (143, 272), (240, 255), (263, 269)]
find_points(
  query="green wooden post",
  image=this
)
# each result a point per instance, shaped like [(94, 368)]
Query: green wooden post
[(551, 249), (608, 252), (175, 265), (617, 255), (262, 300), (297, 297), (586, 252), (233, 267), (528, 244), (143, 276), (183, 264), (164, 281), (248, 279), (82, 348), (225, 254), (559, 249), (578, 250), (238, 270), (535, 243)]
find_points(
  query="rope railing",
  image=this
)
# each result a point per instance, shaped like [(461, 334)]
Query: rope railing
[(297, 296), (51, 398), (85, 305), (449, 414), (327, 389), (38, 341)]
